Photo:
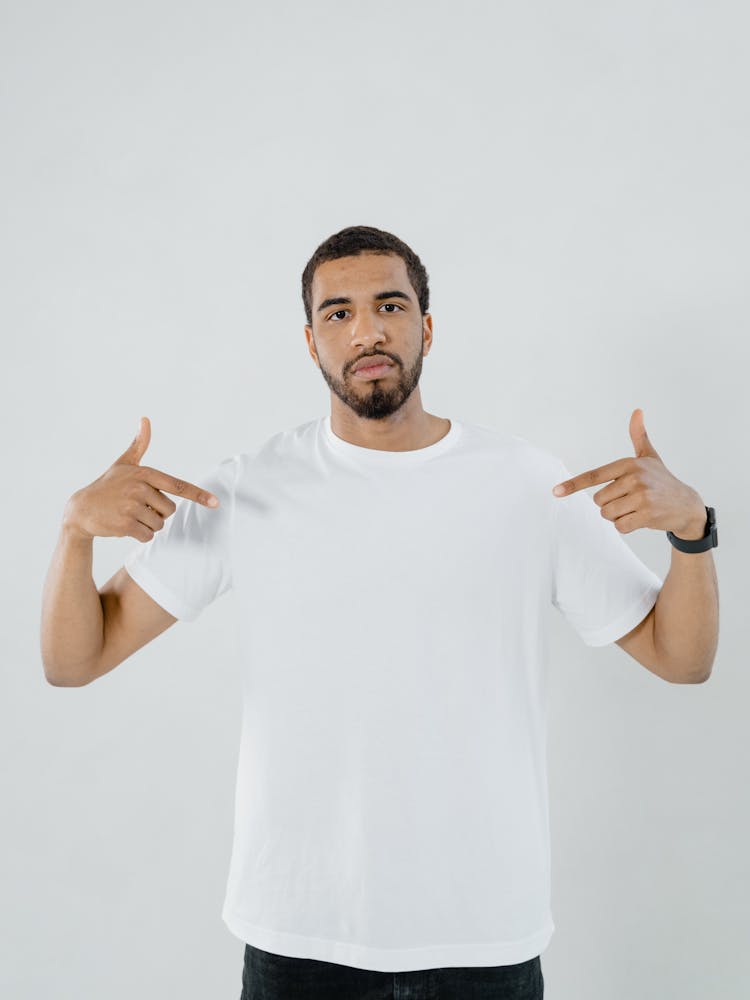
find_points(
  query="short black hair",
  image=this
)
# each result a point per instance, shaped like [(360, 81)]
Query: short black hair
[(365, 239)]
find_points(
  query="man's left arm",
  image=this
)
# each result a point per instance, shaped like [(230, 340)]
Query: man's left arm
[(643, 493)]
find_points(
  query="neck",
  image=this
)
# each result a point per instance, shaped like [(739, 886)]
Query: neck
[(395, 433)]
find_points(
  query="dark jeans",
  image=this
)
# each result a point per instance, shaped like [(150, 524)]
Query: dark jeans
[(267, 976)]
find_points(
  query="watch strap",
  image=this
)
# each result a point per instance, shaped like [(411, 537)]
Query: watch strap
[(709, 540)]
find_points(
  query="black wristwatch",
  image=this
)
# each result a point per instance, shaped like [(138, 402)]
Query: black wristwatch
[(709, 540)]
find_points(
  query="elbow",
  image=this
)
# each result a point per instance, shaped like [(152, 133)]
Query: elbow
[(694, 676), (701, 675), (65, 679), (682, 670)]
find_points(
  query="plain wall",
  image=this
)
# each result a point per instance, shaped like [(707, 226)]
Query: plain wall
[(575, 179)]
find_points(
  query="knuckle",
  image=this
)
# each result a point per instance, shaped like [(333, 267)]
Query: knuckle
[(180, 486), (153, 512), (167, 503)]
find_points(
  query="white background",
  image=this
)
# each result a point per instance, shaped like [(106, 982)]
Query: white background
[(575, 179)]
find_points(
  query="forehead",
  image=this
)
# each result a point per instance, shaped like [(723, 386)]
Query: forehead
[(362, 273)]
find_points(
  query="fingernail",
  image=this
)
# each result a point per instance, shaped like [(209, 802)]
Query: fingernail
[(212, 501)]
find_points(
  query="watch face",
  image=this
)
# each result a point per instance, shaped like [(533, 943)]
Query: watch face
[(711, 529)]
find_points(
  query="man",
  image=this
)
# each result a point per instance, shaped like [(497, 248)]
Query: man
[(392, 572)]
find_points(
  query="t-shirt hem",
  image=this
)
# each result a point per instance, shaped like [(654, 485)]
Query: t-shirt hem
[(627, 621), (390, 959), (156, 590)]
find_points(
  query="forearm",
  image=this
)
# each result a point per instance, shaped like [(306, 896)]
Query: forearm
[(686, 617), (72, 623)]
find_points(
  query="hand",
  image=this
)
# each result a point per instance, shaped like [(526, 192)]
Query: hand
[(126, 500), (643, 493)]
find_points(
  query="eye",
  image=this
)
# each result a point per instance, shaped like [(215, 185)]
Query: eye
[(393, 305)]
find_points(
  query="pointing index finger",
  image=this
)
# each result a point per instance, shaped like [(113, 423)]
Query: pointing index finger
[(602, 474), (180, 487)]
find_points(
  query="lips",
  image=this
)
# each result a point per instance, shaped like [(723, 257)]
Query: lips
[(372, 362), (372, 372)]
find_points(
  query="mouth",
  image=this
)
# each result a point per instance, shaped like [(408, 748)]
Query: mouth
[(373, 371)]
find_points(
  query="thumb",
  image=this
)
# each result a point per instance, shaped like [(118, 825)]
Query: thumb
[(135, 451), (641, 441)]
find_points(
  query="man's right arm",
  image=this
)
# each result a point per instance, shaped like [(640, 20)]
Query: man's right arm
[(87, 632)]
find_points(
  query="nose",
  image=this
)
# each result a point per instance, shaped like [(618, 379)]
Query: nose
[(368, 329)]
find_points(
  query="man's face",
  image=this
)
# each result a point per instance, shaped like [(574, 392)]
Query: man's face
[(380, 317)]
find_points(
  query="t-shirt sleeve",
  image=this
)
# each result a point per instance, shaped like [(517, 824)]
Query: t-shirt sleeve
[(187, 564), (598, 583)]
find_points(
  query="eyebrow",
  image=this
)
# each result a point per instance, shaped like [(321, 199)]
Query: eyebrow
[(342, 300)]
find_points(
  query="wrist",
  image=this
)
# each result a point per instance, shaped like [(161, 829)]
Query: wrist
[(695, 528), (69, 530), (72, 535)]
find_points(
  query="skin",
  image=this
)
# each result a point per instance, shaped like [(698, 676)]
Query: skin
[(383, 413)]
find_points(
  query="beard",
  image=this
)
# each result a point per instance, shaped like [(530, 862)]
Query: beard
[(375, 399)]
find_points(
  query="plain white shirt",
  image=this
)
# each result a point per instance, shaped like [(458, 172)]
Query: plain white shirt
[(392, 610)]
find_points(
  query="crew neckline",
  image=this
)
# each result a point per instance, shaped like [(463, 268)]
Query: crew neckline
[(379, 457)]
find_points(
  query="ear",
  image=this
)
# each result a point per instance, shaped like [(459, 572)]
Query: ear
[(427, 332), (311, 344)]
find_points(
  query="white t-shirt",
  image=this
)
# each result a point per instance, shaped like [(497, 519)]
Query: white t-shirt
[(392, 611)]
